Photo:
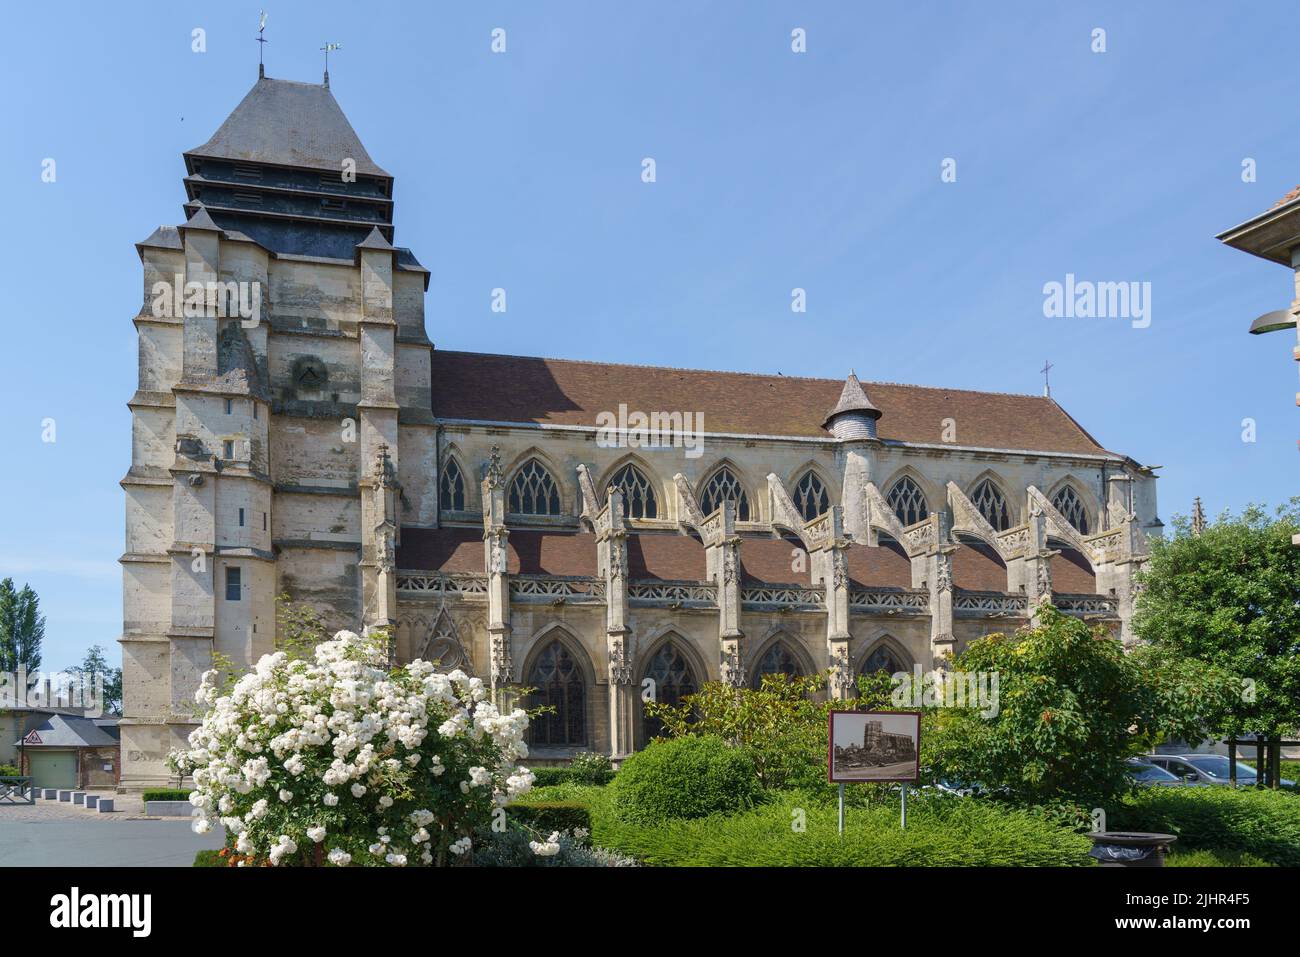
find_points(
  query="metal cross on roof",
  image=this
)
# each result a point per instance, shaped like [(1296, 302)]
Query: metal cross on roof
[(261, 28), (1047, 384), (328, 48)]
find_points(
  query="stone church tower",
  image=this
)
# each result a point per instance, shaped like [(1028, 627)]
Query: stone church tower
[(283, 397)]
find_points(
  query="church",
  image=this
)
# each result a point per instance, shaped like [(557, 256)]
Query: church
[(295, 431)]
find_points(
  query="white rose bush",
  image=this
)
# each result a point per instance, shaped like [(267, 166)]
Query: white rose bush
[(338, 760)]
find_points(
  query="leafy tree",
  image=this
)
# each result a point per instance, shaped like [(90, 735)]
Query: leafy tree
[(96, 664), (1230, 596), (782, 725), (1072, 705), (22, 628)]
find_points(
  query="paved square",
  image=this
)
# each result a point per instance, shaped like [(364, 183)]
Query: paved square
[(58, 834)]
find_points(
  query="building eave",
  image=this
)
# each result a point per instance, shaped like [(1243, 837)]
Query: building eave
[(1271, 235)]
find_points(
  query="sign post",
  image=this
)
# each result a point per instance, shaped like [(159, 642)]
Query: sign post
[(871, 747)]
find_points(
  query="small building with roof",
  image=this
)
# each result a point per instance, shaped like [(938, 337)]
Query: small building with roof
[(64, 749)]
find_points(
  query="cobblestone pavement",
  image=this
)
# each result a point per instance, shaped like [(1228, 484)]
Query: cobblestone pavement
[(126, 807)]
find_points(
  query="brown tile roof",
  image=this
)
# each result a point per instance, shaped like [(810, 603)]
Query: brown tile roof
[(978, 568), (1294, 194), (884, 567), (1072, 575), (667, 557), (770, 561), (566, 392), (441, 550), (529, 552)]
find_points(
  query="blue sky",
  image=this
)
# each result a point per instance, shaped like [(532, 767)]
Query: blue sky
[(775, 170)]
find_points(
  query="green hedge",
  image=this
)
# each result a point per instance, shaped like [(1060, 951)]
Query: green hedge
[(9, 771), (548, 816), (209, 859), (585, 768), (688, 777), (1264, 824), (942, 831), (166, 794)]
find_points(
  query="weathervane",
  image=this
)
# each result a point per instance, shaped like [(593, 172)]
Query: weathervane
[(1047, 384), (328, 48), (261, 28)]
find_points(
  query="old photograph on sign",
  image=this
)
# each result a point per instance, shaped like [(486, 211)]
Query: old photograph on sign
[(875, 746)]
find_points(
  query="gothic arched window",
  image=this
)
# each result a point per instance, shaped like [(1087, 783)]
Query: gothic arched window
[(451, 487), (908, 501), (674, 679), (558, 682), (638, 494), (1068, 503), (992, 504), (724, 486), (777, 660), (882, 659), (533, 491), (810, 496)]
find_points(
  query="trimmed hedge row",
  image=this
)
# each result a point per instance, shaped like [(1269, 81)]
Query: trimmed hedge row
[(942, 831), (1264, 824), (549, 777), (166, 794), (586, 768)]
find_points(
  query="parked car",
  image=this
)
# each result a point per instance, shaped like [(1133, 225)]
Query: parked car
[(1206, 768), (1150, 775)]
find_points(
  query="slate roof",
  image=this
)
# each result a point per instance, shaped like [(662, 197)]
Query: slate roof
[(566, 392), (852, 399), (287, 123), (70, 731)]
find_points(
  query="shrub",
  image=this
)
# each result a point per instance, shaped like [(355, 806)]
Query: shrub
[(1177, 858), (514, 848), (942, 831), (780, 725), (166, 794), (341, 759), (686, 777), (586, 768), (210, 859), (548, 816), (1264, 824), (9, 771), (546, 777), (591, 768)]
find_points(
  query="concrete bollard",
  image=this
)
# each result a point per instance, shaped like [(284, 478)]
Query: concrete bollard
[(105, 805), (79, 797), (92, 800), (65, 796)]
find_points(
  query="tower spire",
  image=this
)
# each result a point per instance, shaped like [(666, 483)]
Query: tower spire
[(1198, 517)]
